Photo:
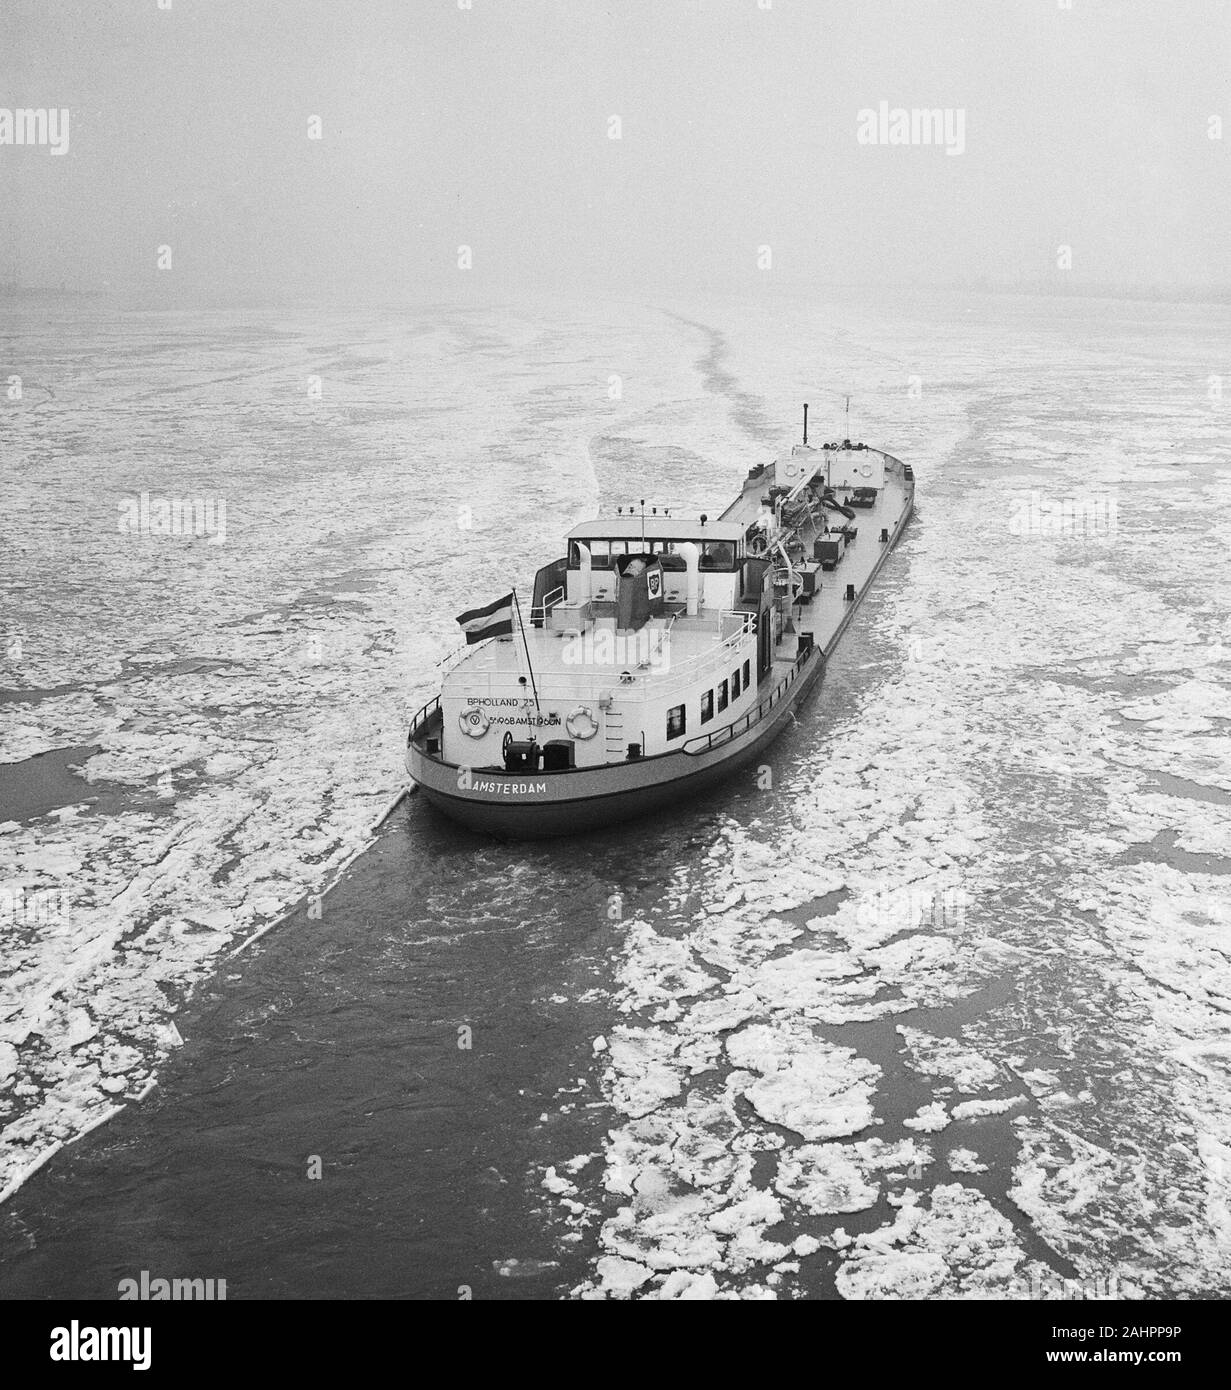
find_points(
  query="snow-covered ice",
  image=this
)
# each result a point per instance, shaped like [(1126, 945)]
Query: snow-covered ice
[(975, 930), (1012, 802)]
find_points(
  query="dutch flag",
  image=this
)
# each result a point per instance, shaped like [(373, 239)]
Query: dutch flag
[(496, 620)]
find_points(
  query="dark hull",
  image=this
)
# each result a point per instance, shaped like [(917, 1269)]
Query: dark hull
[(589, 799)]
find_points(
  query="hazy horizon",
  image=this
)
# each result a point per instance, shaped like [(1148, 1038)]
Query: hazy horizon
[(740, 164)]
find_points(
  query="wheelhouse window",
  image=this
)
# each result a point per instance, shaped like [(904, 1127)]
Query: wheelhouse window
[(714, 555), (735, 687), (747, 674), (722, 696), (675, 721), (717, 555), (707, 707)]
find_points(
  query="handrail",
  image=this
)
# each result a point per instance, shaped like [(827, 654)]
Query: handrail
[(450, 659), (715, 657), (539, 611), (578, 685), (422, 718), (704, 741), (747, 720)]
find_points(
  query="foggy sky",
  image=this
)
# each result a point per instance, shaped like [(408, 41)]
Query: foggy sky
[(489, 128)]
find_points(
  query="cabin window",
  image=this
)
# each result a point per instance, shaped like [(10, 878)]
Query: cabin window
[(618, 548), (722, 696), (717, 555), (735, 685), (600, 555), (707, 707), (675, 721), (747, 674)]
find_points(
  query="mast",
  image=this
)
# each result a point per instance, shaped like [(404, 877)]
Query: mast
[(529, 665)]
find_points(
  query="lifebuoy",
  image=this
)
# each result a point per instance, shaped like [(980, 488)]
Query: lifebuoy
[(581, 723), (866, 470), (473, 722)]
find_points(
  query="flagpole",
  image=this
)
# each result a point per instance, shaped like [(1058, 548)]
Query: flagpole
[(529, 664)]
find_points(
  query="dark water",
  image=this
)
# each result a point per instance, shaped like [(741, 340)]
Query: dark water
[(338, 1037), (43, 783)]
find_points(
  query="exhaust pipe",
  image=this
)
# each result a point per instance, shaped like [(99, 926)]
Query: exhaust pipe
[(585, 577), (692, 563)]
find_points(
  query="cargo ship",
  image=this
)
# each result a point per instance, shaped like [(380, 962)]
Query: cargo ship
[(660, 653)]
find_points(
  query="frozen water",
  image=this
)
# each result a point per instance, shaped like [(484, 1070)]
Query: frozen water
[(977, 925), (1019, 824)]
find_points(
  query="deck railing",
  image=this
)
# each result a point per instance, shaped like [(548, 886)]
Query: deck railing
[(421, 720), (717, 658), (539, 611), (579, 682), (704, 742)]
